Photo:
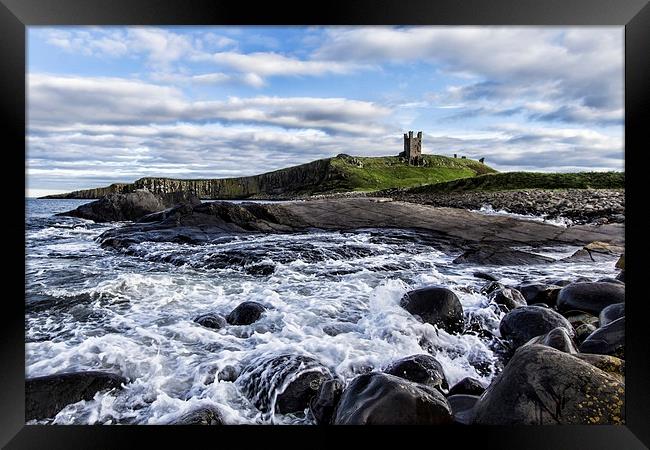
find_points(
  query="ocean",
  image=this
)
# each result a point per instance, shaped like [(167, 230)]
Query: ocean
[(332, 296)]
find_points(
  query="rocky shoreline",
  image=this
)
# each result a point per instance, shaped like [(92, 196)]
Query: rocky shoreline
[(581, 206), (560, 341)]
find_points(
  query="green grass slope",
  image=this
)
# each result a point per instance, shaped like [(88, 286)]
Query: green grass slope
[(351, 173), (529, 180)]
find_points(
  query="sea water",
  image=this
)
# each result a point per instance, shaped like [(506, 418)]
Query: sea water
[(332, 296)]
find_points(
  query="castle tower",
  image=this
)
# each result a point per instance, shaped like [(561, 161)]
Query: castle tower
[(412, 147)]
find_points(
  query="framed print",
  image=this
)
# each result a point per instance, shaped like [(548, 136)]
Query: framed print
[(274, 219)]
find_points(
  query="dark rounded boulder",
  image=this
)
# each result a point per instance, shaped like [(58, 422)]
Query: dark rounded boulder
[(607, 340), (46, 396), (200, 416), (557, 338), (592, 297), (607, 363), (485, 276), (377, 398), (245, 314), (211, 320), (543, 386), (539, 293), (462, 407), (522, 324), (284, 383), (323, 404), (422, 369), (467, 386), (435, 305), (509, 297), (611, 313)]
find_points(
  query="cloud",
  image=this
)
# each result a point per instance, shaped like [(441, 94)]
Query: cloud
[(57, 99), (580, 69)]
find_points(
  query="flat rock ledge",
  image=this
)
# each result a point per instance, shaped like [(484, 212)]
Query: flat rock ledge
[(199, 222)]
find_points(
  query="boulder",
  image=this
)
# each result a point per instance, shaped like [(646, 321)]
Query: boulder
[(323, 404), (228, 373), (46, 396), (486, 276), (467, 386), (621, 276), (127, 207), (200, 416), (488, 256), (522, 324), (436, 305), (542, 386), (607, 340), (577, 318), (377, 398), (462, 407), (539, 293), (423, 369), (245, 314), (557, 338), (620, 264), (509, 297), (591, 297), (611, 313), (595, 252), (211, 320), (285, 383)]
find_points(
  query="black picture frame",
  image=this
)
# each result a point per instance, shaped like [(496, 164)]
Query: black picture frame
[(16, 15)]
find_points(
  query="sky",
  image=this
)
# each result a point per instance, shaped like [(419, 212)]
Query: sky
[(114, 104)]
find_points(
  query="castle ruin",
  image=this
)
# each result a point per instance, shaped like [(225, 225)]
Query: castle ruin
[(412, 148)]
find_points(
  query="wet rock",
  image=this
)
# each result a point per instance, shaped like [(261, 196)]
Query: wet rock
[(284, 383), (592, 297), (607, 340), (539, 293), (228, 373), (245, 314), (422, 369), (380, 399), (522, 324), (543, 386), (583, 331), (462, 407), (435, 305), (211, 320), (46, 396), (557, 338), (200, 416), (486, 276), (334, 329), (323, 404), (595, 252), (611, 313), (497, 256), (509, 297), (620, 264), (621, 276), (130, 206), (467, 386), (262, 269), (491, 287)]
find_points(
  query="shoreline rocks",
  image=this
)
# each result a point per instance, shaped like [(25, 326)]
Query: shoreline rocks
[(47, 395), (377, 398), (544, 386), (437, 306)]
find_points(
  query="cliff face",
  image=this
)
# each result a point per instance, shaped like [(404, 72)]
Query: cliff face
[(285, 182), (342, 173)]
